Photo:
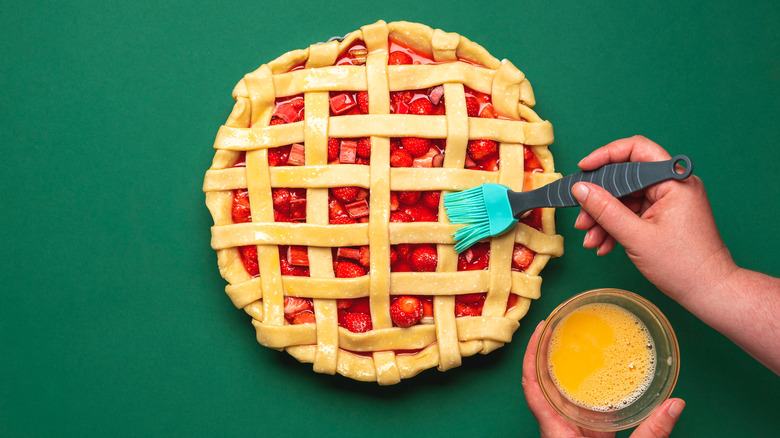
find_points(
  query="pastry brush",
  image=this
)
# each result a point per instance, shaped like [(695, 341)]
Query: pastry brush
[(492, 209)]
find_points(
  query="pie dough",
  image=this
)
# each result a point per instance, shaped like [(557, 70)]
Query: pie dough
[(385, 354)]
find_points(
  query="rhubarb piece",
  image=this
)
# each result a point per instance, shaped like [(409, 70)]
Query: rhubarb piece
[(287, 112), (436, 94), (357, 209), (298, 255), (342, 103), (358, 55), (297, 157), (348, 152), (348, 253), (298, 209)]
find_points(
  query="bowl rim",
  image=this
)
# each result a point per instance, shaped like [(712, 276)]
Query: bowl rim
[(667, 327)]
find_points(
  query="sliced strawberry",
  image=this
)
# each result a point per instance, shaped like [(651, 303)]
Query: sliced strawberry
[(482, 149), (421, 213), (287, 268), (401, 158), (342, 221), (357, 322), (427, 303), (239, 210), (348, 152), (363, 148), (409, 197), (421, 107), (534, 219), (488, 112), (424, 259), (393, 256), (431, 198), (472, 106), (471, 299), (362, 99), (401, 266), (416, 146), (400, 216), (404, 96), (427, 159), (275, 157), (249, 258), (399, 58), (349, 270), (281, 199), (361, 305), (342, 102), (404, 250), (297, 103), (522, 257), (463, 309), (406, 311), (304, 318), (276, 121), (336, 210), (512, 301), (345, 194), (531, 161), (393, 201), (437, 160), (333, 149), (343, 303), (293, 305), (363, 193), (401, 108)]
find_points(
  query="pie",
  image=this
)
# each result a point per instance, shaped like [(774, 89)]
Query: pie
[(325, 190)]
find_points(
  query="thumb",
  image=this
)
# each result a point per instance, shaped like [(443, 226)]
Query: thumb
[(662, 421), (616, 219)]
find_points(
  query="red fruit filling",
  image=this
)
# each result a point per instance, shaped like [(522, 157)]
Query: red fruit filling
[(417, 152), (348, 205)]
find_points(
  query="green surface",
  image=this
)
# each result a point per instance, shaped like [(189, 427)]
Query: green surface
[(113, 318)]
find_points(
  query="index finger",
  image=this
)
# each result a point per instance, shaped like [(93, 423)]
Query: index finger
[(636, 148)]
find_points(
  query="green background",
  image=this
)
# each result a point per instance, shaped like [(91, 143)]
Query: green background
[(113, 317)]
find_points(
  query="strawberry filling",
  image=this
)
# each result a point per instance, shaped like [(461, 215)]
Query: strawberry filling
[(349, 204)]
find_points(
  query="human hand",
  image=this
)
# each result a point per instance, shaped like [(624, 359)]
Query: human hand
[(668, 229), (659, 424)]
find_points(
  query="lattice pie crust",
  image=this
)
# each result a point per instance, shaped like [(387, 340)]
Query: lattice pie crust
[(385, 354)]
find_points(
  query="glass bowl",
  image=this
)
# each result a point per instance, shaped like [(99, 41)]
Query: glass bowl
[(667, 362)]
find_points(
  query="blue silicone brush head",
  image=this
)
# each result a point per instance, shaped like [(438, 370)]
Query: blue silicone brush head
[(485, 209)]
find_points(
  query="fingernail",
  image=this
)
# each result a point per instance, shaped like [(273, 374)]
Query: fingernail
[(676, 409), (580, 192)]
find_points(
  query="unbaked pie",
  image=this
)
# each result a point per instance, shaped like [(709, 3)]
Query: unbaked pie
[(326, 187)]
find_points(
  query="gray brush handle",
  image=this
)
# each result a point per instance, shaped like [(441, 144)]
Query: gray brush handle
[(619, 179)]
